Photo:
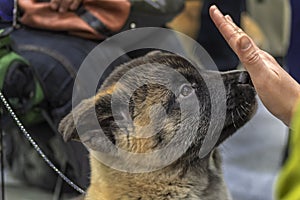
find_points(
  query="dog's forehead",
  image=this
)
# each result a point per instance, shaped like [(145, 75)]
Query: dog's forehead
[(177, 62), (158, 67), (174, 66), (183, 66)]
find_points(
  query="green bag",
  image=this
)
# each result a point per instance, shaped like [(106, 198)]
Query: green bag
[(24, 96)]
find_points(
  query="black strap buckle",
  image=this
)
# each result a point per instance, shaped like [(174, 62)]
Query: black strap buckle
[(93, 21)]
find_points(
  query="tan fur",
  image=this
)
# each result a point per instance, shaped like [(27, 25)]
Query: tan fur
[(110, 184), (189, 177), (102, 93)]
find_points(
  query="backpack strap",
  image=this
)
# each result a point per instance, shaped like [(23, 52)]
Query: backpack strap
[(93, 21)]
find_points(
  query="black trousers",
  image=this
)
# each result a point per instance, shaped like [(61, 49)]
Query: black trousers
[(210, 38)]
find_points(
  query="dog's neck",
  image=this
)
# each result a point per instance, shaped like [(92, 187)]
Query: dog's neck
[(171, 182)]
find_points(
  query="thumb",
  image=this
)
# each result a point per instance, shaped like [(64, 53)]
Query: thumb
[(249, 54)]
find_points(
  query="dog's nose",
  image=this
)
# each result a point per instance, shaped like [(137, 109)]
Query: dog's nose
[(244, 78)]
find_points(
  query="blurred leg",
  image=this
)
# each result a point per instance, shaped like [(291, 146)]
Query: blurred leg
[(210, 38), (293, 61)]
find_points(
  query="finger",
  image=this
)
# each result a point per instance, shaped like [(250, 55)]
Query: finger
[(75, 4), (54, 4), (225, 25), (239, 41), (64, 5), (231, 22)]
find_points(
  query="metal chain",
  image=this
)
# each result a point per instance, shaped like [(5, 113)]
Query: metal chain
[(36, 147)]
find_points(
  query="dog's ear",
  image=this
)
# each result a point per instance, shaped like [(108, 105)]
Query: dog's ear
[(67, 126), (83, 114)]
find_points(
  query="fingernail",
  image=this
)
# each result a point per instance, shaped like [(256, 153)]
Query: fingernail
[(228, 18), (217, 11), (245, 43), (213, 7)]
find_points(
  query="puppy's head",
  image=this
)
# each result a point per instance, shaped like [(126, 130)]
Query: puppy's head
[(139, 106)]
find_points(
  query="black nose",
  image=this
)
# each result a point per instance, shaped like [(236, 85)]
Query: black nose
[(244, 78)]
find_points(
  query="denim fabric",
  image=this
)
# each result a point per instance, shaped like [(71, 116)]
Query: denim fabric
[(6, 10)]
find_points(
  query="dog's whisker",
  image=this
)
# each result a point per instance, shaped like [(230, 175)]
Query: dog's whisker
[(237, 110), (233, 121), (246, 109), (244, 113), (238, 113), (247, 103), (242, 107)]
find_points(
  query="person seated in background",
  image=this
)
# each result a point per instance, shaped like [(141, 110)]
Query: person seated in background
[(54, 54)]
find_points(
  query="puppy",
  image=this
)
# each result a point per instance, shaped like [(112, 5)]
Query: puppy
[(190, 176)]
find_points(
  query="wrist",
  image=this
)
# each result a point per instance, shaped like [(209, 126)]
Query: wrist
[(295, 110)]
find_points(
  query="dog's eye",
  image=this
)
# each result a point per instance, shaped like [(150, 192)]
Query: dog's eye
[(186, 90)]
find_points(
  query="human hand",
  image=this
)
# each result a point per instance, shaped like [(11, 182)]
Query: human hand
[(278, 91), (64, 5)]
